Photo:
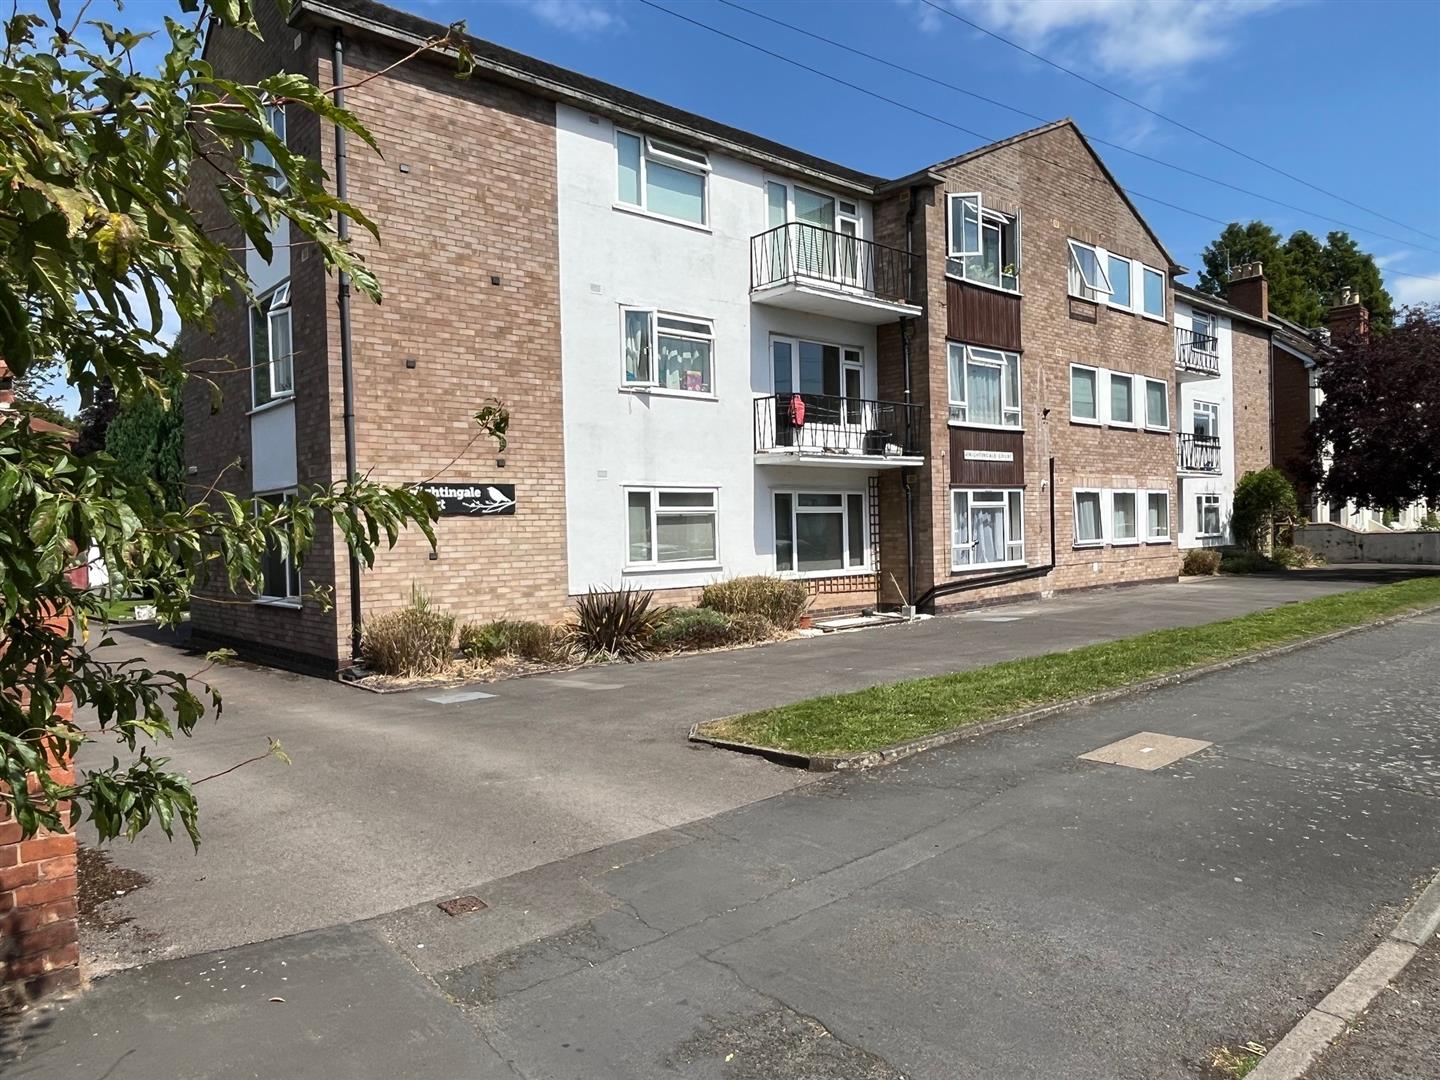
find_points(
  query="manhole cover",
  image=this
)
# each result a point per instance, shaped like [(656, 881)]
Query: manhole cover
[(1148, 751), (462, 905)]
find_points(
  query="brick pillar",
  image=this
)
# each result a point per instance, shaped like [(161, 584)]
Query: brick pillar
[(39, 934), (1348, 317), (1248, 290)]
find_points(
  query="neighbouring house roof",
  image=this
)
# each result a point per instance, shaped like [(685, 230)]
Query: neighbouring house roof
[(1192, 295), (582, 91)]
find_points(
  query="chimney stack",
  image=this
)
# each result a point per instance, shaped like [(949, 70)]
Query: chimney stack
[(1248, 290), (1348, 317)]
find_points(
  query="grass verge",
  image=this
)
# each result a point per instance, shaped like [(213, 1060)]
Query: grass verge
[(884, 715)]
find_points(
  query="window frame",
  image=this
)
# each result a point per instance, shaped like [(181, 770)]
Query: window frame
[(984, 218), (1149, 425), (1164, 306), (1209, 408), (1076, 273), (654, 562), (1156, 538), (652, 383), (271, 306), (1008, 406), (291, 568), (1212, 331), (1110, 300), (1108, 500), (845, 494), (1110, 421), (1099, 541), (1093, 421), (1201, 498), (277, 121), (663, 152), (1013, 536)]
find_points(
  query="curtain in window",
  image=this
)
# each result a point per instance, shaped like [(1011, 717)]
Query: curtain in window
[(1087, 517), (983, 394), (988, 526), (1156, 404), (684, 364), (1082, 394), (637, 346)]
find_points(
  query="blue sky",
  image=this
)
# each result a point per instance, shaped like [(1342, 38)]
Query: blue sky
[(1345, 95)]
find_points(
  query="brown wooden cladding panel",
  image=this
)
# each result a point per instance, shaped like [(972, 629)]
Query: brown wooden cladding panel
[(998, 474), (979, 316)]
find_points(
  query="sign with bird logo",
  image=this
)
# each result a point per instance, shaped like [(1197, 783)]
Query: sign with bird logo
[(471, 500)]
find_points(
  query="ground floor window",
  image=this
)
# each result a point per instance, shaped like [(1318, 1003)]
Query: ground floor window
[(1207, 515), (1089, 524), (670, 527), (1124, 518), (1157, 520), (820, 532), (987, 528), (279, 572)]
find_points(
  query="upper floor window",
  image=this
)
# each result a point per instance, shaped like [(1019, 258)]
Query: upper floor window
[(662, 177), (984, 245), (673, 352), (1202, 323), (1089, 272), (260, 154), (1121, 271), (272, 355), (279, 570), (1106, 278), (984, 386), (1153, 294)]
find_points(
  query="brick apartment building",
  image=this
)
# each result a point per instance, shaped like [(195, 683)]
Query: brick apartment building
[(721, 355)]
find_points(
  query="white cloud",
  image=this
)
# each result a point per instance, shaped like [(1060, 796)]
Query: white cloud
[(575, 16), (1140, 40), (1415, 290)]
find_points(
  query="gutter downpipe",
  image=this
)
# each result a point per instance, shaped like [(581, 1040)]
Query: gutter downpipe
[(906, 474), (1023, 574), (347, 355)]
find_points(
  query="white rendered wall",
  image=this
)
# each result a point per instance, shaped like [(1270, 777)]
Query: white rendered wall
[(1221, 392), (615, 437)]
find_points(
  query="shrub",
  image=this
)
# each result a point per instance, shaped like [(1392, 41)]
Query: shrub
[(1246, 562), (747, 627), (1296, 557), (614, 623), (779, 600), (1264, 505), (1199, 562), (415, 640), (691, 628), (511, 637), (1431, 522)]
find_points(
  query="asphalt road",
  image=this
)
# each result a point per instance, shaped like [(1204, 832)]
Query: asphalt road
[(396, 800), (998, 909)]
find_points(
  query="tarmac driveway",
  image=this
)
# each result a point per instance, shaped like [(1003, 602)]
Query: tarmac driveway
[(399, 799)]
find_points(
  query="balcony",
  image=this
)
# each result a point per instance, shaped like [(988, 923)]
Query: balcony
[(1199, 453), (808, 268), (821, 429), (1196, 353)]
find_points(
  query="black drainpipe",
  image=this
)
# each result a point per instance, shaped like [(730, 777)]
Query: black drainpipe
[(1024, 574), (907, 473), (347, 357)]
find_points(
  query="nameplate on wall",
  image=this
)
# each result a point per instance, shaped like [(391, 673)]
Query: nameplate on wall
[(989, 455), (471, 500)]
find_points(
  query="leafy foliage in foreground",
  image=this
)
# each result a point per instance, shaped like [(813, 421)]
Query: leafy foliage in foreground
[(97, 228), (882, 715)]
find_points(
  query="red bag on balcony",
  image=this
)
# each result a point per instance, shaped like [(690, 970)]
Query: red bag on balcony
[(797, 410)]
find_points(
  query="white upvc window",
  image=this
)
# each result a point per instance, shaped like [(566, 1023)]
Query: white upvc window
[(1202, 325), (1121, 272), (1152, 292), (1207, 515), (272, 354), (987, 528), (662, 177), (279, 570), (984, 245), (1089, 517), (1089, 272), (1124, 517), (820, 533), (984, 386), (260, 154), (1157, 405), (1121, 399), (671, 527), (671, 352), (1157, 517), (1205, 418), (1084, 394)]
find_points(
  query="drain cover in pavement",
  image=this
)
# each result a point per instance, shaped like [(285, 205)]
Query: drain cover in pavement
[(458, 696), (1146, 750), (462, 905)]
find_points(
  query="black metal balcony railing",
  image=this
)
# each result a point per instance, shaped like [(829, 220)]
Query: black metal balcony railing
[(825, 424), (798, 252), (1199, 453), (1196, 352)]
